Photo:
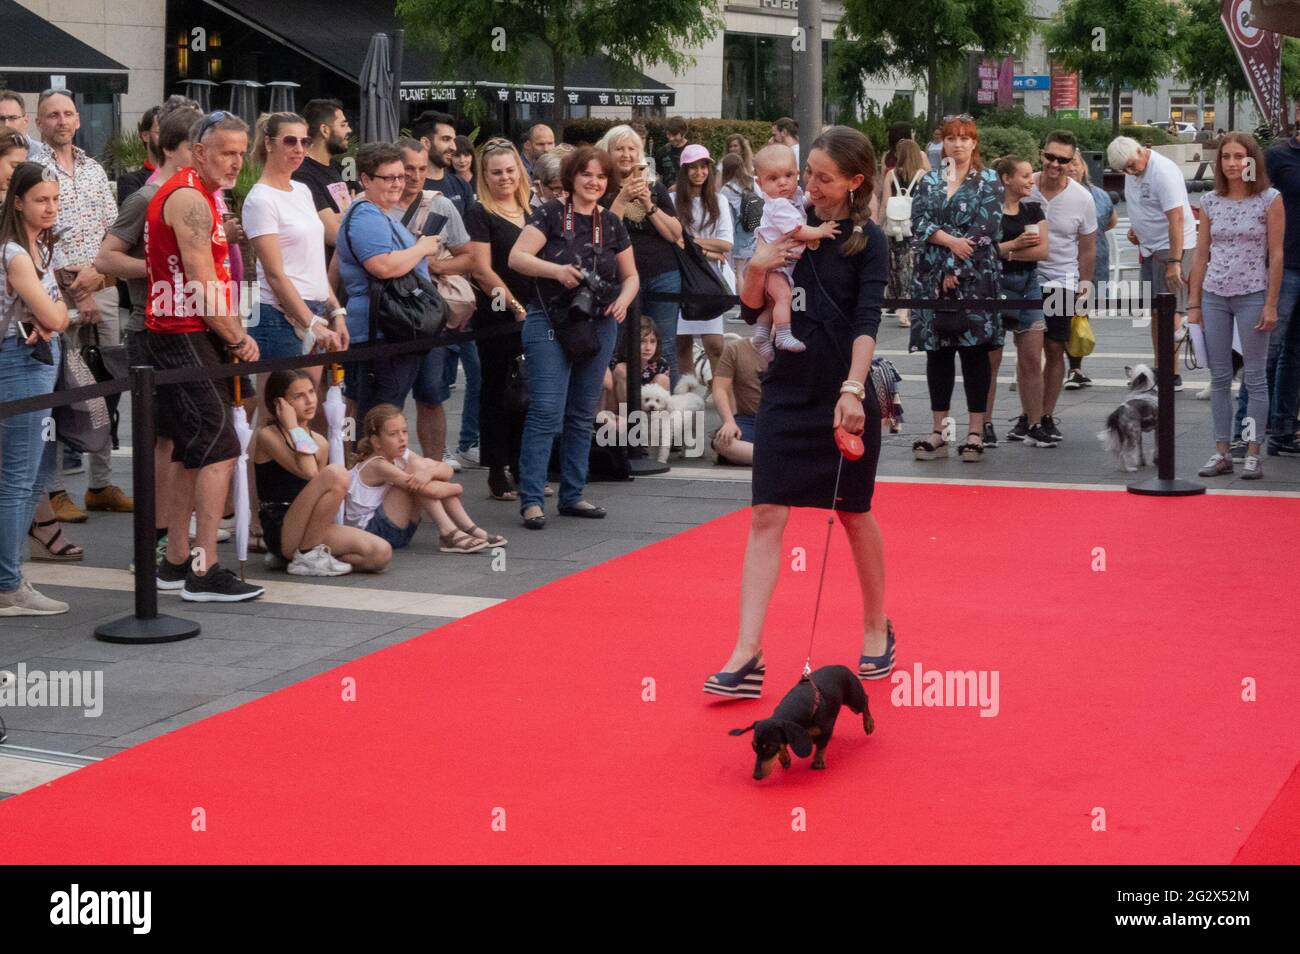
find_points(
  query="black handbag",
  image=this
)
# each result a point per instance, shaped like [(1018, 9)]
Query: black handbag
[(516, 391), (106, 362), (82, 426), (699, 278), (404, 308)]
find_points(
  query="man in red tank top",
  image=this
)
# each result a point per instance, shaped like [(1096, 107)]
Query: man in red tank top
[(190, 323)]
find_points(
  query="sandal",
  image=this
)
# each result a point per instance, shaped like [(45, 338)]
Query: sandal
[(458, 541), (502, 488), (881, 666), (255, 542), (493, 539), (928, 450), (50, 551), (969, 452), (745, 683)]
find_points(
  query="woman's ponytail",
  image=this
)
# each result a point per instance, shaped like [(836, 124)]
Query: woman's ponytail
[(852, 153)]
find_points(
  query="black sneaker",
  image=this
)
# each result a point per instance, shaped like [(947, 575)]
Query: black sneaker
[(990, 436), (1288, 447), (171, 576), (1075, 380), (1040, 436), (1048, 424), (218, 585), (1085, 380), (1178, 382), (1021, 429)]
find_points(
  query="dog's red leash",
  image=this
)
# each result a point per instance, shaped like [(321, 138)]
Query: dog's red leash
[(850, 446)]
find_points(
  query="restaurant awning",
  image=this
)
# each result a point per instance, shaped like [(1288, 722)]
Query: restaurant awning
[(35, 55), (335, 33)]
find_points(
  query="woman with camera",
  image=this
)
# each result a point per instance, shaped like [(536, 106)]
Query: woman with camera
[(646, 208), (807, 395), (578, 253), (31, 315)]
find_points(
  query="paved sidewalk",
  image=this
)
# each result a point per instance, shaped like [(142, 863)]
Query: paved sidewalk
[(305, 626)]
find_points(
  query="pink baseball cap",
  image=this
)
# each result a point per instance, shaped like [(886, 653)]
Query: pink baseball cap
[(694, 153)]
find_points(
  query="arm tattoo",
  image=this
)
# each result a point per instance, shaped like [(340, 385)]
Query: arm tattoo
[(198, 220)]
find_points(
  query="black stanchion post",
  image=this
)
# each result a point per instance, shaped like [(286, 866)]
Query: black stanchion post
[(639, 461), (1165, 484), (146, 626)]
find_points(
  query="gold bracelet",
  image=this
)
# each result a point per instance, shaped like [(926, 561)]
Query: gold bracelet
[(856, 388)]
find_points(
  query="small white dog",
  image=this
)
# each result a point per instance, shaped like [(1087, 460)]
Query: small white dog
[(666, 409)]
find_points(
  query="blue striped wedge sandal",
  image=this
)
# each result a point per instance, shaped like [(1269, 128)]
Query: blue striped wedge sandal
[(744, 683), (878, 667)]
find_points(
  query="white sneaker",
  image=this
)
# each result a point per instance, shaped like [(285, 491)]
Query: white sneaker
[(1204, 393), (450, 460), (26, 601), (469, 458), (225, 529), (318, 562)]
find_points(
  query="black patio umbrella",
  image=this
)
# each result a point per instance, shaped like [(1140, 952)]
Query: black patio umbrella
[(378, 116)]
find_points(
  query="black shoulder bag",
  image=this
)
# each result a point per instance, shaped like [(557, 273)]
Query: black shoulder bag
[(405, 307), (576, 333)]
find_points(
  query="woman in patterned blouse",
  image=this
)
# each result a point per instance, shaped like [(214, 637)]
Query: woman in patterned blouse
[(956, 218)]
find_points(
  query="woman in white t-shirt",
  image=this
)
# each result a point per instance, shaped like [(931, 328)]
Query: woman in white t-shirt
[(708, 221), (297, 306)]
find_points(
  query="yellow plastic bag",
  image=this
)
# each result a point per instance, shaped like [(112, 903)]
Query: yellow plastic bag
[(1082, 340)]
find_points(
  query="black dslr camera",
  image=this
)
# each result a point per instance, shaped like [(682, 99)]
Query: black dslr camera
[(592, 296)]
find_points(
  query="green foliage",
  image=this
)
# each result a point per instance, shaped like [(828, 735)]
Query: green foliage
[(876, 121), (1092, 134), (1291, 67), (511, 38), (927, 40), (249, 173), (124, 152), (1203, 55), (1136, 46), (999, 141)]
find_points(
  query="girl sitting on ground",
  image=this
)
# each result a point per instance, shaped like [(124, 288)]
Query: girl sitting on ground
[(391, 489), (654, 369), (299, 491)]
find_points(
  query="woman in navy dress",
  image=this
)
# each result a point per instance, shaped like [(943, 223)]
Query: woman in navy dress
[(806, 395)]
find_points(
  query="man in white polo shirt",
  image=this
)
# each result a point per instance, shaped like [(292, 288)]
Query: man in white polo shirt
[(1071, 252), (1163, 226)]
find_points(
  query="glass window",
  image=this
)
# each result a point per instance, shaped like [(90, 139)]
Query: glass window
[(758, 77)]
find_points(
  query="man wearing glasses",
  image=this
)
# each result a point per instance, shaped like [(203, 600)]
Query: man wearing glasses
[(86, 211), (1071, 253), (13, 114)]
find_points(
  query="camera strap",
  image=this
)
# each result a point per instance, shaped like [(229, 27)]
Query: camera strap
[(570, 234)]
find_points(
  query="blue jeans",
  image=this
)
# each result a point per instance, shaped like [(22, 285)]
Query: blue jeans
[(273, 333), (664, 315), (1283, 371), (22, 445), (468, 355), (562, 400), (1219, 314)]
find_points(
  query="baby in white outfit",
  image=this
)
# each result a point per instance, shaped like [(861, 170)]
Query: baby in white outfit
[(783, 217)]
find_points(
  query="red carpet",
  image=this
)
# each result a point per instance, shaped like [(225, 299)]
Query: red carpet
[(1119, 691)]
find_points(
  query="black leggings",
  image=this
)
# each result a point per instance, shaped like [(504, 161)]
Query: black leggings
[(941, 375)]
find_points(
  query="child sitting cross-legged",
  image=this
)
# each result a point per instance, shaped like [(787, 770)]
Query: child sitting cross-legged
[(300, 491), (391, 489)]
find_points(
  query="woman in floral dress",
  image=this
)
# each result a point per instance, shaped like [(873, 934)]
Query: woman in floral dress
[(956, 219)]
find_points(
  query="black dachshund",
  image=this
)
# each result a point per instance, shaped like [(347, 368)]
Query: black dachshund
[(807, 713)]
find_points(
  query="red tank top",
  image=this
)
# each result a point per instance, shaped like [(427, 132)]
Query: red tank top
[(172, 307)]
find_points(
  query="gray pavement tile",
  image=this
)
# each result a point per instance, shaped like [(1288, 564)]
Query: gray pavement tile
[(76, 743), (206, 678), (124, 711), (297, 674), (383, 642), (170, 724)]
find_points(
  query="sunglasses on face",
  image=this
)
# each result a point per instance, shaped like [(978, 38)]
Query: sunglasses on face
[(1059, 160), (293, 142)]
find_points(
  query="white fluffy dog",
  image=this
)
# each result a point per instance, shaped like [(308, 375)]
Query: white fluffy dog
[(667, 412)]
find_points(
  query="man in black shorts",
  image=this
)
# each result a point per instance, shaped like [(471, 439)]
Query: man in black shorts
[(192, 323)]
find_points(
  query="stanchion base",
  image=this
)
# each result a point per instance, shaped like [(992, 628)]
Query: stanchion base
[(646, 466), (160, 629), (1155, 487)]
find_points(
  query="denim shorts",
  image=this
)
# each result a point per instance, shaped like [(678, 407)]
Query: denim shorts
[(396, 537), (1022, 285), (431, 384), (746, 424), (274, 334)]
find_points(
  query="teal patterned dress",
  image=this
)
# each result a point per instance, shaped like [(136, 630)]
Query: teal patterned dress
[(974, 213)]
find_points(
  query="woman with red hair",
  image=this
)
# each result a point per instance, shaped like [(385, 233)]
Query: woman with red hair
[(956, 220)]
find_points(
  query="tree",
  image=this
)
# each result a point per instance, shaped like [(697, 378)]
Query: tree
[(923, 39), (1203, 54), (1114, 43), (501, 36)]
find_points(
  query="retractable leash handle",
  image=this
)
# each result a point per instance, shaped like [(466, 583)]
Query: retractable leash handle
[(851, 448)]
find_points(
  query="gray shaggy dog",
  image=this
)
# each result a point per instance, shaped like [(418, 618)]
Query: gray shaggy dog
[(1126, 424)]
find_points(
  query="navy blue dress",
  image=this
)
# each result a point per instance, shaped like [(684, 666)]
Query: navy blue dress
[(795, 454)]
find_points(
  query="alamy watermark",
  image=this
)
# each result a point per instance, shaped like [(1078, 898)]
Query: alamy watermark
[(56, 688)]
